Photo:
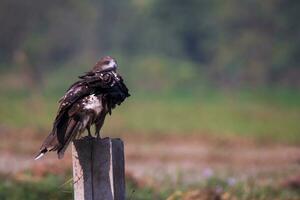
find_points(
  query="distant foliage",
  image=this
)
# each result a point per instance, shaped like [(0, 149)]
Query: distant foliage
[(247, 43)]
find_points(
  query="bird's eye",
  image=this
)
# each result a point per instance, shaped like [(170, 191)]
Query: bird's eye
[(107, 62)]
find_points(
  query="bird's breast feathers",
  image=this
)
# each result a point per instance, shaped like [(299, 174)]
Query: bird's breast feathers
[(92, 102)]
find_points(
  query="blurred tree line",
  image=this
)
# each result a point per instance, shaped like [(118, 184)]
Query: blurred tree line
[(233, 42)]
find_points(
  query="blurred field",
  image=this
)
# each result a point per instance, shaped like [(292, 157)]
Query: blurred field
[(194, 142), (189, 167), (47, 188), (265, 115)]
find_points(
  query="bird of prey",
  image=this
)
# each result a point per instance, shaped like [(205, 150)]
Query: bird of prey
[(86, 103)]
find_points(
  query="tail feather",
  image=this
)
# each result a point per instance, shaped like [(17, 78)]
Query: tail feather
[(57, 138), (70, 135), (41, 154), (50, 143)]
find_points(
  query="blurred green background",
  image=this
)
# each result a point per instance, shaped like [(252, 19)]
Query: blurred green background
[(199, 67), (211, 67)]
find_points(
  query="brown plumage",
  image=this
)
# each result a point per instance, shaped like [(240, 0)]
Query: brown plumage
[(86, 103)]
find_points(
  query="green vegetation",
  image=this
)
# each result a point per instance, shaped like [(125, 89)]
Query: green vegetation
[(265, 115), (53, 187), (216, 188), (135, 192), (233, 43), (47, 188), (192, 68)]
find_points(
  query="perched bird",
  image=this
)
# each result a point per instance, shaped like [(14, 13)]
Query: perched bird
[(86, 103)]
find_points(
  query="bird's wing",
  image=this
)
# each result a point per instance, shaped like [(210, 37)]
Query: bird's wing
[(100, 80), (61, 125), (116, 94), (123, 87), (110, 84), (92, 82), (78, 90)]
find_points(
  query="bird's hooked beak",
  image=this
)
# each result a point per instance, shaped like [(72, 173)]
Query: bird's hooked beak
[(112, 65), (115, 65)]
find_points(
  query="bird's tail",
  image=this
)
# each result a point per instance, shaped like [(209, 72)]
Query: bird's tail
[(71, 134), (50, 143), (40, 154), (60, 138)]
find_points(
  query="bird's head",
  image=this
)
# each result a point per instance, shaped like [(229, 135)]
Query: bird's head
[(106, 63)]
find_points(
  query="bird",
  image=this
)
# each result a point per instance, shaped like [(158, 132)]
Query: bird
[(86, 103)]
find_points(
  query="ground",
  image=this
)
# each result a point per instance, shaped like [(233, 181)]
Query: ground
[(172, 161)]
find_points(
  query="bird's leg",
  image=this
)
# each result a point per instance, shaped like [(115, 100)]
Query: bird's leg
[(98, 135), (99, 125), (89, 131), (97, 132)]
